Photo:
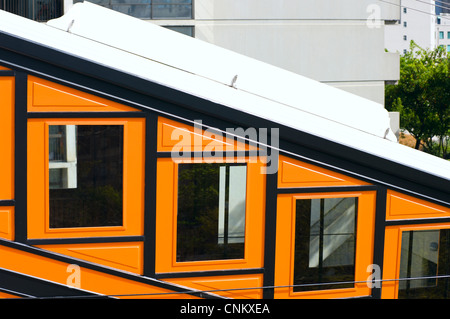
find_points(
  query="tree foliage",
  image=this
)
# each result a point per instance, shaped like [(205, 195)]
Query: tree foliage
[(422, 96)]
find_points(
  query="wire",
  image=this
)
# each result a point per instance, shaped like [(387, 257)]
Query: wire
[(197, 292), (414, 9), (435, 5)]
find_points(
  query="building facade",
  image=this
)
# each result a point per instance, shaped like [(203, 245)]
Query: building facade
[(443, 31), (417, 22), (198, 179), (340, 43)]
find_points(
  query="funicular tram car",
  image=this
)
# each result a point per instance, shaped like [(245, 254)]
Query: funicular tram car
[(182, 170)]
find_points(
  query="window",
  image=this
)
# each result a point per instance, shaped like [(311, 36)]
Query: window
[(448, 47), (85, 175), (441, 34), (39, 10), (186, 30), (324, 243), (325, 239), (93, 182), (210, 216), (211, 211), (405, 37), (405, 24), (151, 9), (448, 34), (425, 255), (405, 10)]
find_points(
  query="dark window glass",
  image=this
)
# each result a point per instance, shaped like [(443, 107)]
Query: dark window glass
[(39, 10), (211, 211), (85, 175), (151, 9), (186, 30), (325, 239), (424, 257)]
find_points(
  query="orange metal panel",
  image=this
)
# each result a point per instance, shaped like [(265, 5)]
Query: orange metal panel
[(46, 96), (174, 136), (133, 188), (7, 223), (166, 214), (284, 260), (237, 287), (87, 279), (294, 173), (2, 68), (400, 206), (7, 137), (124, 256)]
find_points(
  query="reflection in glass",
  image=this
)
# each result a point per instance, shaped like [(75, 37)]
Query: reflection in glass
[(151, 9), (211, 211), (325, 239), (424, 257), (85, 175)]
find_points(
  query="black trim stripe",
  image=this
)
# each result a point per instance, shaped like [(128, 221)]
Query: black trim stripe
[(20, 165), (71, 115), (380, 226), (31, 287), (270, 235), (418, 221), (330, 189), (7, 73), (224, 155), (210, 273), (87, 240), (151, 131), (7, 202)]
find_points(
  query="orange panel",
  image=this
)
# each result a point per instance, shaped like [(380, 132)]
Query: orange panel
[(46, 96), (284, 260), (2, 68), (124, 256), (88, 279), (4, 295), (294, 173), (166, 214), (133, 187), (229, 284), (400, 206), (7, 137), (174, 136), (7, 223)]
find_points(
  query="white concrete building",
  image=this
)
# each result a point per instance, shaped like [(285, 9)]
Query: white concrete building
[(417, 23), (338, 42), (443, 31)]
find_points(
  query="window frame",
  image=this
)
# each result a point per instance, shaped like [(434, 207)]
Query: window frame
[(166, 219), (392, 255), (38, 179), (285, 245)]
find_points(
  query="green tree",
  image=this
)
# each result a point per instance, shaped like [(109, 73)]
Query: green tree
[(422, 96)]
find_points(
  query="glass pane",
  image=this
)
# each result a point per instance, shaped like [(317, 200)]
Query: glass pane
[(186, 30), (171, 11), (424, 256), (325, 239), (211, 211), (85, 175)]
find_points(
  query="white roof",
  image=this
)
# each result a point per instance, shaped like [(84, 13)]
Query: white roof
[(154, 53)]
